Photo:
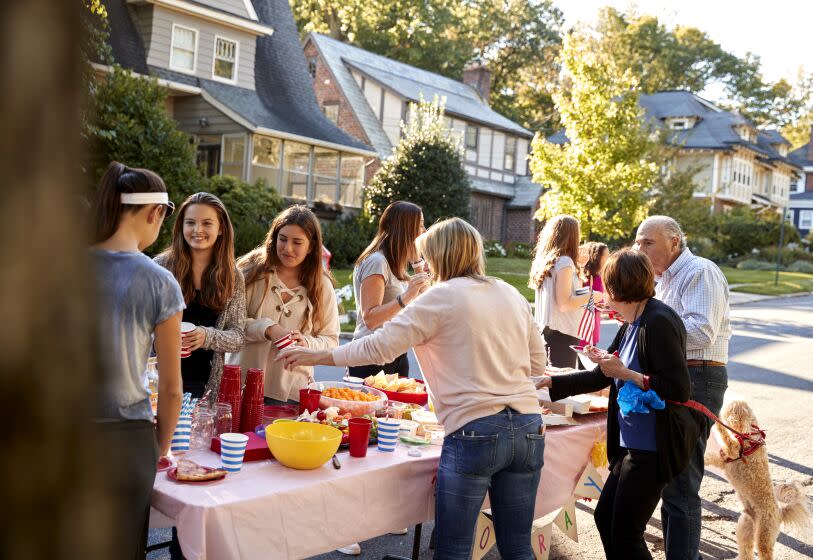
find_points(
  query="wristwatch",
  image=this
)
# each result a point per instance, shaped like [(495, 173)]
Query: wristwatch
[(400, 301)]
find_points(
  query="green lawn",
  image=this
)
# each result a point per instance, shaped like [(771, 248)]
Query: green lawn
[(515, 272), (762, 281)]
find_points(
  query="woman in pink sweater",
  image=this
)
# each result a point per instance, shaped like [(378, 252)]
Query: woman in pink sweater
[(477, 344)]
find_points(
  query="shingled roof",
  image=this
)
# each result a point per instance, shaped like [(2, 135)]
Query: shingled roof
[(407, 81), (284, 100), (714, 128)]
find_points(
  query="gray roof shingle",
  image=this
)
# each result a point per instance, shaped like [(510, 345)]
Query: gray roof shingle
[(284, 100), (409, 82), (800, 156)]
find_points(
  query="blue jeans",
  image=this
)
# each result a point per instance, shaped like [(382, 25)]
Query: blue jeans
[(500, 454), (680, 509)]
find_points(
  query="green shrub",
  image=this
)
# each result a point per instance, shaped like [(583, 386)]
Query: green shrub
[(801, 266), (519, 250), (346, 238), (494, 249), (753, 264), (252, 208), (741, 230), (788, 255)]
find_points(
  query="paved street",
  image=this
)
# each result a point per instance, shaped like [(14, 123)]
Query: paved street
[(772, 367)]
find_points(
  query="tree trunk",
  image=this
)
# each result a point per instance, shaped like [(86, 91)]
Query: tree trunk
[(52, 474)]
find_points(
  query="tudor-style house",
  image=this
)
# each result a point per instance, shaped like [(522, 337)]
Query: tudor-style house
[(368, 96), (239, 86)]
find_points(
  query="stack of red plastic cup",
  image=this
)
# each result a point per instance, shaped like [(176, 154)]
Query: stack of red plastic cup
[(251, 415), (230, 391)]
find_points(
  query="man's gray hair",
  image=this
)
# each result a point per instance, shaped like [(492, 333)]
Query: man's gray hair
[(668, 226)]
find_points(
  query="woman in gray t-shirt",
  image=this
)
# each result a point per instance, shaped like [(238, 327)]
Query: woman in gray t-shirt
[(381, 284)]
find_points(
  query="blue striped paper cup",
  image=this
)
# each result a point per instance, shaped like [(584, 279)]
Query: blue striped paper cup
[(388, 433), (232, 451), (180, 438)]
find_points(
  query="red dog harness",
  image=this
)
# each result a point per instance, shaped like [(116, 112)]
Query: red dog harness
[(749, 443)]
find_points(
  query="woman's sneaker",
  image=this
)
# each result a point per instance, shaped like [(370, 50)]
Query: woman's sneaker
[(351, 549)]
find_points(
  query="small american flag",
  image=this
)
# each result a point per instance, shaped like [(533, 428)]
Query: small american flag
[(588, 323)]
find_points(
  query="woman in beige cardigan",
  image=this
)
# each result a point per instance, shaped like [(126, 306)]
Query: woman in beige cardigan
[(288, 292)]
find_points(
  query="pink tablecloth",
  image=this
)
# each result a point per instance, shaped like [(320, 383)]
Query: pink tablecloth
[(271, 511)]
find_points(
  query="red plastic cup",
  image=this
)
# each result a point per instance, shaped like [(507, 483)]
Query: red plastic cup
[(309, 400), (230, 391), (359, 436)]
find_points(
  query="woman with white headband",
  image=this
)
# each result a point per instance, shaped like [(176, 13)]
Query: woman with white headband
[(137, 300)]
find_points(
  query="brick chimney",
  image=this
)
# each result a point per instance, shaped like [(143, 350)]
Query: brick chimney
[(476, 75)]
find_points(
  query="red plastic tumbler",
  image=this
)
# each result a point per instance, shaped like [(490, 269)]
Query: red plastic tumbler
[(359, 432), (251, 415), (230, 391), (309, 400)]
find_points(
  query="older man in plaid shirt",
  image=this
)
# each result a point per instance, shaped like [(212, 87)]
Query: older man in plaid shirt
[(697, 290)]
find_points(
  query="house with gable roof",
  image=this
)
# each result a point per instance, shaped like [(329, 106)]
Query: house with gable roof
[(800, 209), (738, 164), (368, 96), (239, 86)]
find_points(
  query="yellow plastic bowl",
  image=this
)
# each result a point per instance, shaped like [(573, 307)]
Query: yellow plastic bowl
[(302, 445)]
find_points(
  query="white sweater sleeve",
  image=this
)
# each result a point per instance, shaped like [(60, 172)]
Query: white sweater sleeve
[(414, 325)]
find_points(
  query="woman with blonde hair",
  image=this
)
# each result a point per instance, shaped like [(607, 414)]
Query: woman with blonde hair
[(288, 292), (477, 365), (555, 280)]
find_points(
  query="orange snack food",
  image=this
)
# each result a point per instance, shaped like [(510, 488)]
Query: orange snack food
[(346, 394)]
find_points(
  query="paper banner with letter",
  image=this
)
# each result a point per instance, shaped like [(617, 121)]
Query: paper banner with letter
[(566, 520), (483, 536), (541, 534), (590, 483)]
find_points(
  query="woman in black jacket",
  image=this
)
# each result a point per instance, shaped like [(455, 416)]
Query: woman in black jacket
[(646, 450)]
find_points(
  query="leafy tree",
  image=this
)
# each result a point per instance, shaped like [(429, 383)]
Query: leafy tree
[(517, 39), (251, 208), (674, 196), (687, 58), (603, 173), (426, 168), (743, 229)]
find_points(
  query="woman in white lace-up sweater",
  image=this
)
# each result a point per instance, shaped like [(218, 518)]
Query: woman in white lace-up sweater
[(477, 344)]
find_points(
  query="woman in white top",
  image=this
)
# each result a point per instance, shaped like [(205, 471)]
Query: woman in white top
[(558, 307), (477, 364), (381, 284), (288, 292)]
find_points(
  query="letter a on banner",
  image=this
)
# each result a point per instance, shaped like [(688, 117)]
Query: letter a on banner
[(540, 540), (483, 537), (590, 483), (566, 520)]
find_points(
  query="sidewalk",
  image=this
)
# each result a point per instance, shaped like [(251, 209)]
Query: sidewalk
[(741, 298)]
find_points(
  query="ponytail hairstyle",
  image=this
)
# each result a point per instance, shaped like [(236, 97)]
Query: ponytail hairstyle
[(117, 180), (262, 261), (217, 282)]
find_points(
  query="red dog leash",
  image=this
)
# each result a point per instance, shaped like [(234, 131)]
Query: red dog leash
[(749, 443)]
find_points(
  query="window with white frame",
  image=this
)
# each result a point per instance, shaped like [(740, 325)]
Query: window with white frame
[(225, 60), (680, 125), (472, 134), (510, 160), (184, 49), (805, 219)]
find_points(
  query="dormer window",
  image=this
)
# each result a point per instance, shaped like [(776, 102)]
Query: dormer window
[(184, 49), (679, 124), (225, 60), (782, 149)]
